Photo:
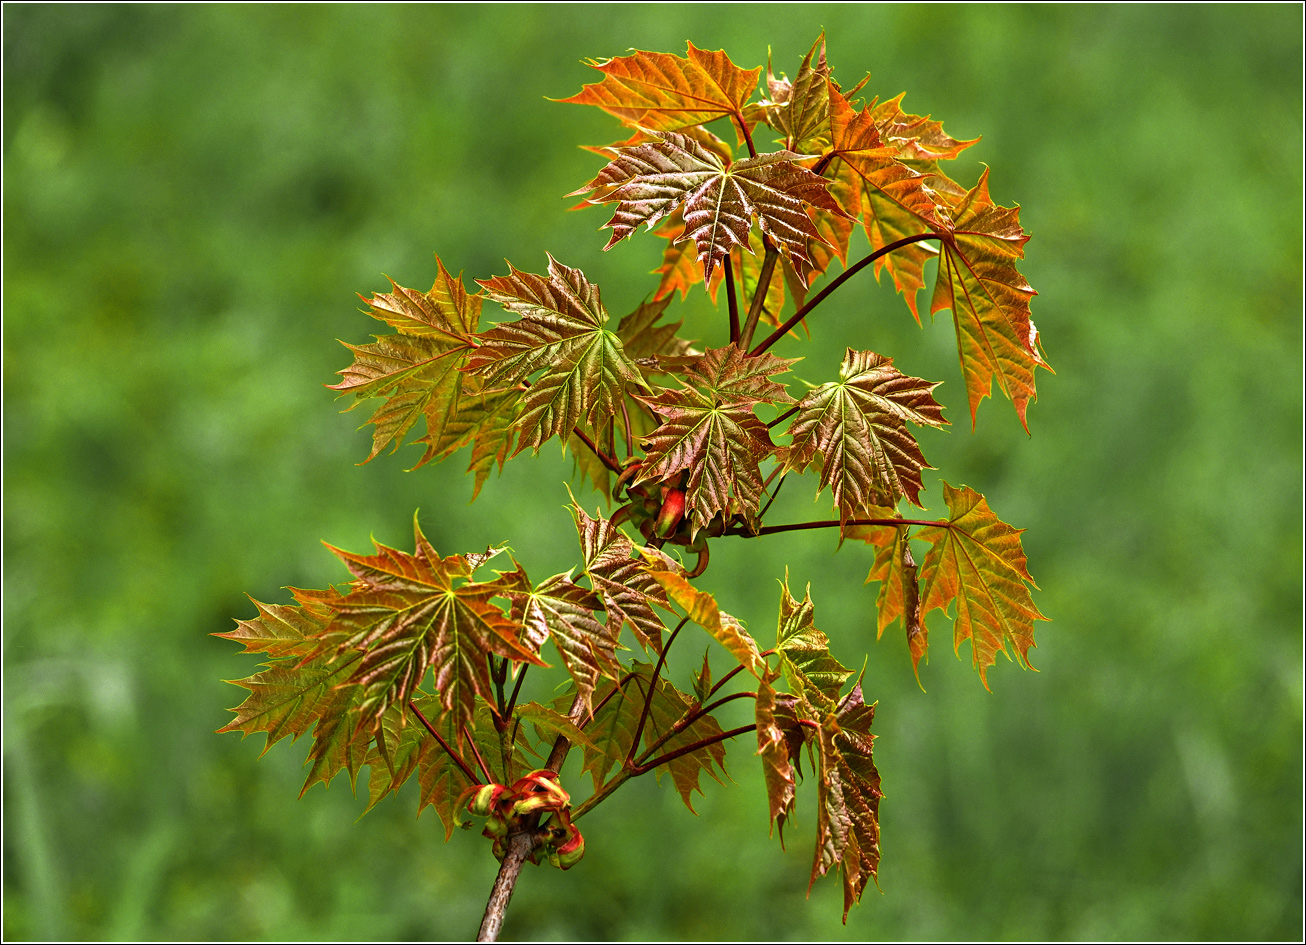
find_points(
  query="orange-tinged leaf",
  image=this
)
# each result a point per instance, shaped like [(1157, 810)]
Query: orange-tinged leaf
[(663, 92), (701, 607), (899, 596), (857, 426), (989, 299), (562, 332), (895, 199), (720, 199), (446, 312), (976, 561), (800, 109)]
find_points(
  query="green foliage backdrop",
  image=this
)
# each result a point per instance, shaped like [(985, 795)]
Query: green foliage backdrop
[(194, 194)]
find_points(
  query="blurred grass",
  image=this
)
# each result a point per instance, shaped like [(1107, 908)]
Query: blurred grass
[(194, 194)]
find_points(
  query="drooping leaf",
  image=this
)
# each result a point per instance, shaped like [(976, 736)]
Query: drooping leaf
[(773, 746), (710, 433), (858, 793), (976, 561), (895, 569), (562, 333), (701, 608), (857, 426), (720, 199), (809, 669), (989, 299), (663, 92), (895, 201), (627, 591)]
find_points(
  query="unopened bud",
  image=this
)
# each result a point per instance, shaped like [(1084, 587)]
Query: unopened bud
[(673, 510)]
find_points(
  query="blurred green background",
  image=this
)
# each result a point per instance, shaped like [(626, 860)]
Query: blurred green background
[(194, 194)]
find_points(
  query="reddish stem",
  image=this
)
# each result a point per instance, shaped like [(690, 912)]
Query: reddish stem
[(457, 759), (653, 684), (689, 749), (847, 274), (832, 523)]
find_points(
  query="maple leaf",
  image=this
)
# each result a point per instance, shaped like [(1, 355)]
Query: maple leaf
[(858, 427), (720, 199), (899, 596), (805, 658), (800, 109), (976, 561), (709, 430), (989, 299), (848, 798), (893, 200), (919, 142), (560, 610), (701, 607), (619, 706), (774, 748), (486, 418), (627, 591), (562, 333), (417, 370), (664, 92), (405, 614)]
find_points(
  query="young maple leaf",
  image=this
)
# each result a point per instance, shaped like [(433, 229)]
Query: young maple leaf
[(406, 615), (709, 430), (562, 333), (812, 674), (893, 200), (560, 610), (627, 591), (663, 92), (858, 427), (417, 370), (800, 109), (720, 199), (778, 759), (976, 561), (989, 299)]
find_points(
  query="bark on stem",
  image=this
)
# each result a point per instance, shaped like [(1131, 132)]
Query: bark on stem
[(519, 848)]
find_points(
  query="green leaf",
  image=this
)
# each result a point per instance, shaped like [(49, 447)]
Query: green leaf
[(805, 651), (989, 299), (976, 561), (774, 748)]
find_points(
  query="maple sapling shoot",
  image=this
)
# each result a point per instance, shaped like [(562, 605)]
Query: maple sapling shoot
[(405, 669)]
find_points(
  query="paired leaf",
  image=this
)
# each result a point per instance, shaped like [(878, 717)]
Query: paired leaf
[(989, 299), (720, 199), (976, 561), (562, 333), (662, 92), (857, 426)]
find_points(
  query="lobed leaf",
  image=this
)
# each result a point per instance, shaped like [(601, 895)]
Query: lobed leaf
[(663, 92), (976, 561), (857, 426), (627, 591), (562, 333), (989, 299), (701, 608), (719, 199)]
